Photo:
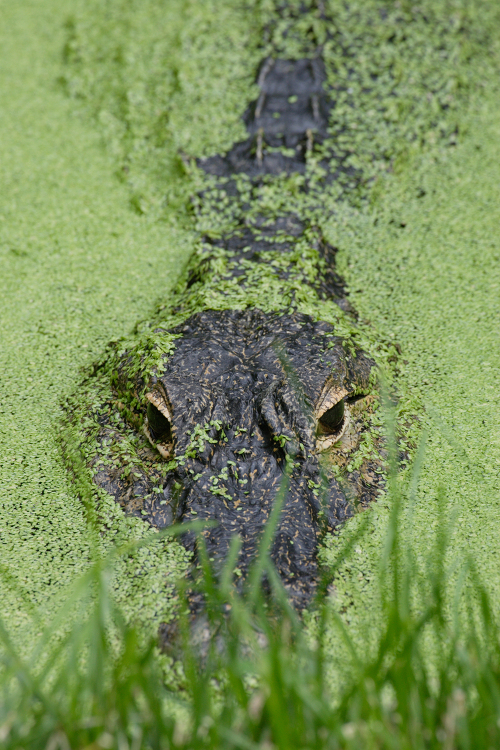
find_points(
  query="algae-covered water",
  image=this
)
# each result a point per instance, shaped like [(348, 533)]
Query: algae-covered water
[(89, 243), (78, 265)]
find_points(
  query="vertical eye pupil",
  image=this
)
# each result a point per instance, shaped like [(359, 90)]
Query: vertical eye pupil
[(333, 418), (159, 426)]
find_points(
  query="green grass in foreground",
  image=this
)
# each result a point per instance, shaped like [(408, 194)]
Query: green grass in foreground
[(99, 688)]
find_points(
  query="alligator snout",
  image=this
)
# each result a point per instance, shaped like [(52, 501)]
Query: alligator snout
[(246, 399), (246, 403)]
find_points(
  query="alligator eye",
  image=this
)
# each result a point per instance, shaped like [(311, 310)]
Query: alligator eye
[(333, 419), (159, 425)]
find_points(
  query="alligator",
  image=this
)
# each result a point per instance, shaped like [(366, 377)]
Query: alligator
[(239, 387)]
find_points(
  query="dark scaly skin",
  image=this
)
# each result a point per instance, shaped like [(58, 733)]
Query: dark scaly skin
[(231, 368), (245, 393)]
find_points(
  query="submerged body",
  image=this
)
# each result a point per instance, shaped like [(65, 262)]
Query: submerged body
[(224, 404)]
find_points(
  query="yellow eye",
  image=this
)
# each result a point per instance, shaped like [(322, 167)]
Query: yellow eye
[(159, 425), (332, 420)]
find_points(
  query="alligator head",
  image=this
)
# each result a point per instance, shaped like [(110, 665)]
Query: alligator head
[(245, 399)]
